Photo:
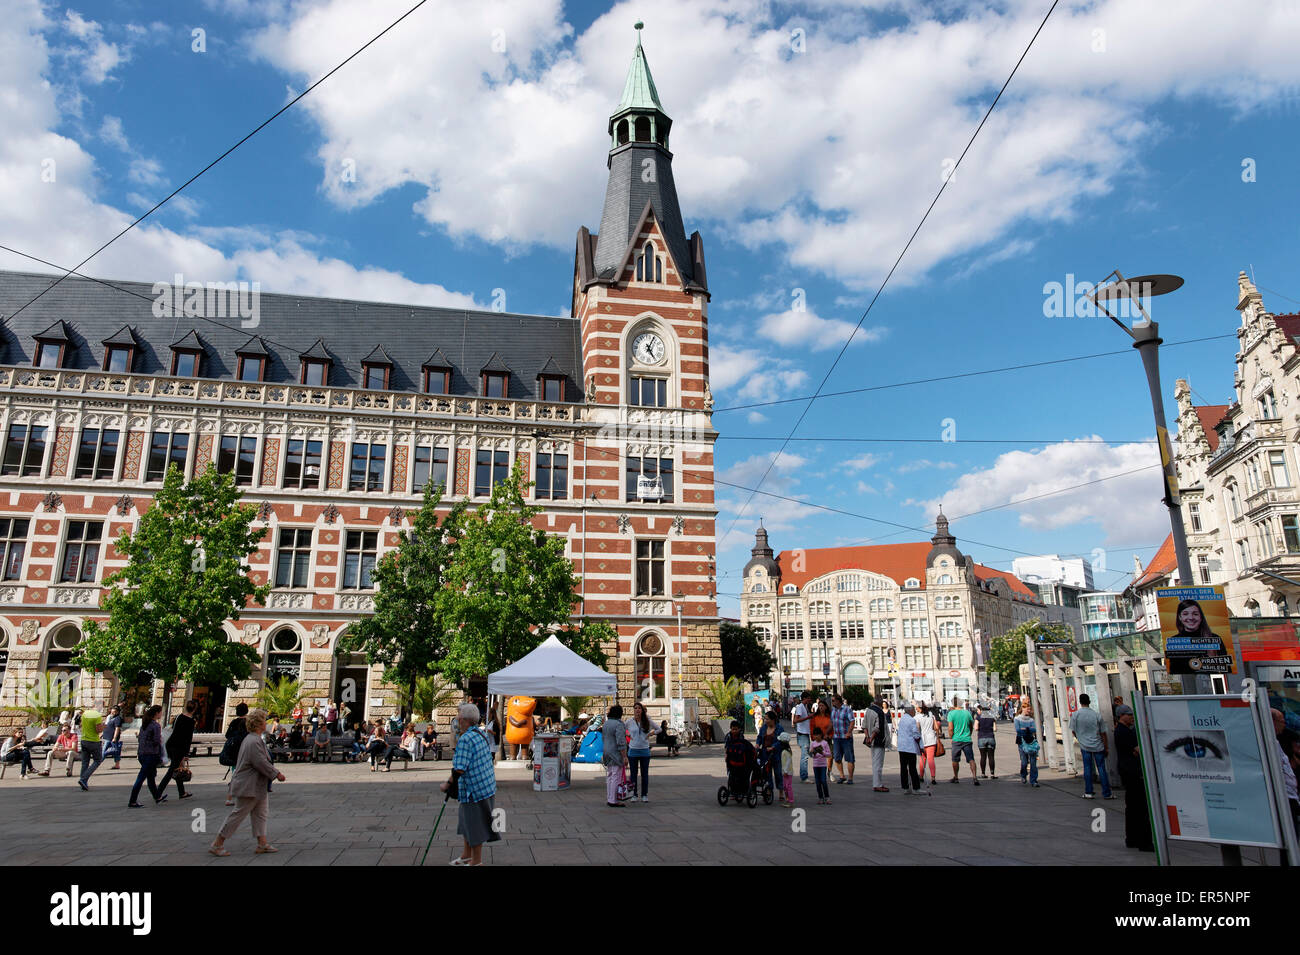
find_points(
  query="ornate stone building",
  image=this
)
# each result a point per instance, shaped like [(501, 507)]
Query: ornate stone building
[(912, 621), (333, 414)]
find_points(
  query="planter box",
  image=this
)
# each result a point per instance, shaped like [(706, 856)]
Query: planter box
[(720, 729)]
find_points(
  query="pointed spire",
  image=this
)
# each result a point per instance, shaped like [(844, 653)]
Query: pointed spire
[(639, 91)]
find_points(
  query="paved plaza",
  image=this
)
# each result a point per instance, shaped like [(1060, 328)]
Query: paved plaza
[(345, 815)]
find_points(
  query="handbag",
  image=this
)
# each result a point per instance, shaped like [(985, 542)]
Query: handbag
[(623, 790), (183, 774)]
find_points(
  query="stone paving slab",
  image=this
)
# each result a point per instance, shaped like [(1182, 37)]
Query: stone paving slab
[(336, 814)]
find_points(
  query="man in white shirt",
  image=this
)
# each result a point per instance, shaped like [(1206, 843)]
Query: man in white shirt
[(1089, 729), (801, 717)]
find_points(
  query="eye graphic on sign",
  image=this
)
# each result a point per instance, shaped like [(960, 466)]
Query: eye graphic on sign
[(649, 349)]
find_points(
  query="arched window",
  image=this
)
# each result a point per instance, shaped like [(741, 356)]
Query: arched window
[(944, 579), (284, 655), (650, 683), (62, 645), (819, 608), (764, 634), (648, 266), (850, 608), (855, 674), (4, 653), (642, 129), (622, 131), (758, 588), (789, 589)]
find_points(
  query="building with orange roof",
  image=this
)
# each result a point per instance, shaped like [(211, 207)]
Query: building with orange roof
[(910, 621)]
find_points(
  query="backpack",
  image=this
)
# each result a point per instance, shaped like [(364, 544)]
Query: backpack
[(230, 751), (882, 728)]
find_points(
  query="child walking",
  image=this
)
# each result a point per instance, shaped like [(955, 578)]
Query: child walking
[(787, 770), (820, 752)]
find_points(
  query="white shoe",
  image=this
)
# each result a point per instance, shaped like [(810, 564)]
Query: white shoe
[(645, 798)]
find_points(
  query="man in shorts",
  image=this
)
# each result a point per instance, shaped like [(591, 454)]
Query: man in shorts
[(842, 737), (959, 729)]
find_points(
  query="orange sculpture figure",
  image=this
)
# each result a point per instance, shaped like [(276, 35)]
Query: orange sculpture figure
[(519, 722)]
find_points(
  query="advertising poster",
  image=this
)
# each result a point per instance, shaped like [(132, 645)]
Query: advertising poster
[(1211, 772), (1195, 629)]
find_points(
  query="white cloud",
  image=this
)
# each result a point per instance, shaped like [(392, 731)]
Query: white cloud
[(756, 417), (1123, 506), (804, 328), (752, 375), (862, 462), (925, 464), (111, 132), (97, 57), (147, 172), (777, 514)]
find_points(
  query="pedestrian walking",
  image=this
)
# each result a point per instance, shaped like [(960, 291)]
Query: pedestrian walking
[(1087, 726), (909, 748), (92, 746), (638, 752), (614, 740), (821, 720), (986, 742), (235, 734), (787, 771), (842, 737), (959, 730), (929, 726), (251, 786), (769, 751), (112, 738), (801, 719), (149, 750), (1027, 743), (178, 750), (1137, 823), (875, 733), (473, 774), (820, 752)]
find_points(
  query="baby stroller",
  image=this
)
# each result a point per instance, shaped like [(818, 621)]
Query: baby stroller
[(745, 778)]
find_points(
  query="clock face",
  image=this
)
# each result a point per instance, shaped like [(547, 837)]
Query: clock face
[(649, 349)]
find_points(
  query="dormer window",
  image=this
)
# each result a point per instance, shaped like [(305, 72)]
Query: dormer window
[(551, 388), (1267, 405), (185, 364), (251, 368), (376, 369), (437, 381), (649, 268), (314, 372), (789, 589), (494, 378), (118, 358), (49, 355), (911, 583)]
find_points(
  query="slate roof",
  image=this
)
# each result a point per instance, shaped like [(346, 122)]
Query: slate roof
[(626, 196), (91, 311)]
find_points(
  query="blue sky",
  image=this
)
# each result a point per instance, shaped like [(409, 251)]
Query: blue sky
[(477, 133)]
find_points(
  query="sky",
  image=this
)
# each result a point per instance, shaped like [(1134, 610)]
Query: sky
[(452, 162)]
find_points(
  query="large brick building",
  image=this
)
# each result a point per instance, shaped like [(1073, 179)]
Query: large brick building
[(333, 414)]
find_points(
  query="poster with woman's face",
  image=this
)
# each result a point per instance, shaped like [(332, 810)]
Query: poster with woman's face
[(1195, 629)]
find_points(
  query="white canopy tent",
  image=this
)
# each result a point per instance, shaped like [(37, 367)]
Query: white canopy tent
[(552, 670)]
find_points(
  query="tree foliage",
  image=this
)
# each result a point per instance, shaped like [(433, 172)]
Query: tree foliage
[(508, 585), (184, 579), (280, 697), (1007, 652), (408, 632), (743, 655)]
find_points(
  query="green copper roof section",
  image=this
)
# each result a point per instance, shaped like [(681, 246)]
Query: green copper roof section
[(639, 91)]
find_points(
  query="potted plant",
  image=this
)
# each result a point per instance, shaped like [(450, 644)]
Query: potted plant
[(724, 697)]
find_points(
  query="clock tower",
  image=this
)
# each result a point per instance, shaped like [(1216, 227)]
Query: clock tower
[(641, 298)]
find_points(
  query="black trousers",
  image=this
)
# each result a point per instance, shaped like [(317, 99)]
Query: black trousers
[(1137, 822), (171, 773), (907, 769)]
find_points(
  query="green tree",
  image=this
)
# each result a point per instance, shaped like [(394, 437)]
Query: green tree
[(743, 655), (723, 696), (589, 639), (1007, 652), (408, 631), (430, 692), (185, 578), (508, 586)]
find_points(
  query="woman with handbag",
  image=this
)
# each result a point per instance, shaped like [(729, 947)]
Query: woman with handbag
[(614, 756), (930, 744), (149, 750), (1027, 743), (178, 751)]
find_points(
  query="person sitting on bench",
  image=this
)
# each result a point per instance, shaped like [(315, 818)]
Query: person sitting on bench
[(321, 743), (430, 740), (298, 743), (376, 746), (665, 738), (15, 750), (405, 750), (66, 745)]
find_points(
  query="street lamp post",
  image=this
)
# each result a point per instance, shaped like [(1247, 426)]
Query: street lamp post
[(678, 597)]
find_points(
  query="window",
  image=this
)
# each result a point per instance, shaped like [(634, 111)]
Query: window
[(302, 464), (552, 388), (1194, 515), (1234, 500), (284, 656), (315, 372), (944, 579), (294, 557), (821, 630), (429, 466), (437, 381), (49, 355), (185, 364), (1243, 554), (850, 608), (375, 377), (117, 358), (648, 266), (789, 589), (650, 683), (250, 368), (791, 631), (1277, 469), (367, 471), (97, 454), (760, 610), (166, 449), (852, 629), (792, 658), (237, 456), (81, 552), (649, 568), (649, 479), (1264, 540), (882, 630), (819, 608), (916, 657), (648, 392), (950, 655), (848, 582), (913, 603), (495, 385), (359, 559), (911, 583), (1267, 405), (1290, 533), (916, 629), (552, 476), (490, 469), (24, 450), (1252, 474), (949, 628), (13, 546), (1203, 561)]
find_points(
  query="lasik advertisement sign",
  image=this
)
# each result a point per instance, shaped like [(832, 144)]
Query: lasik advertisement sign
[(1210, 767)]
